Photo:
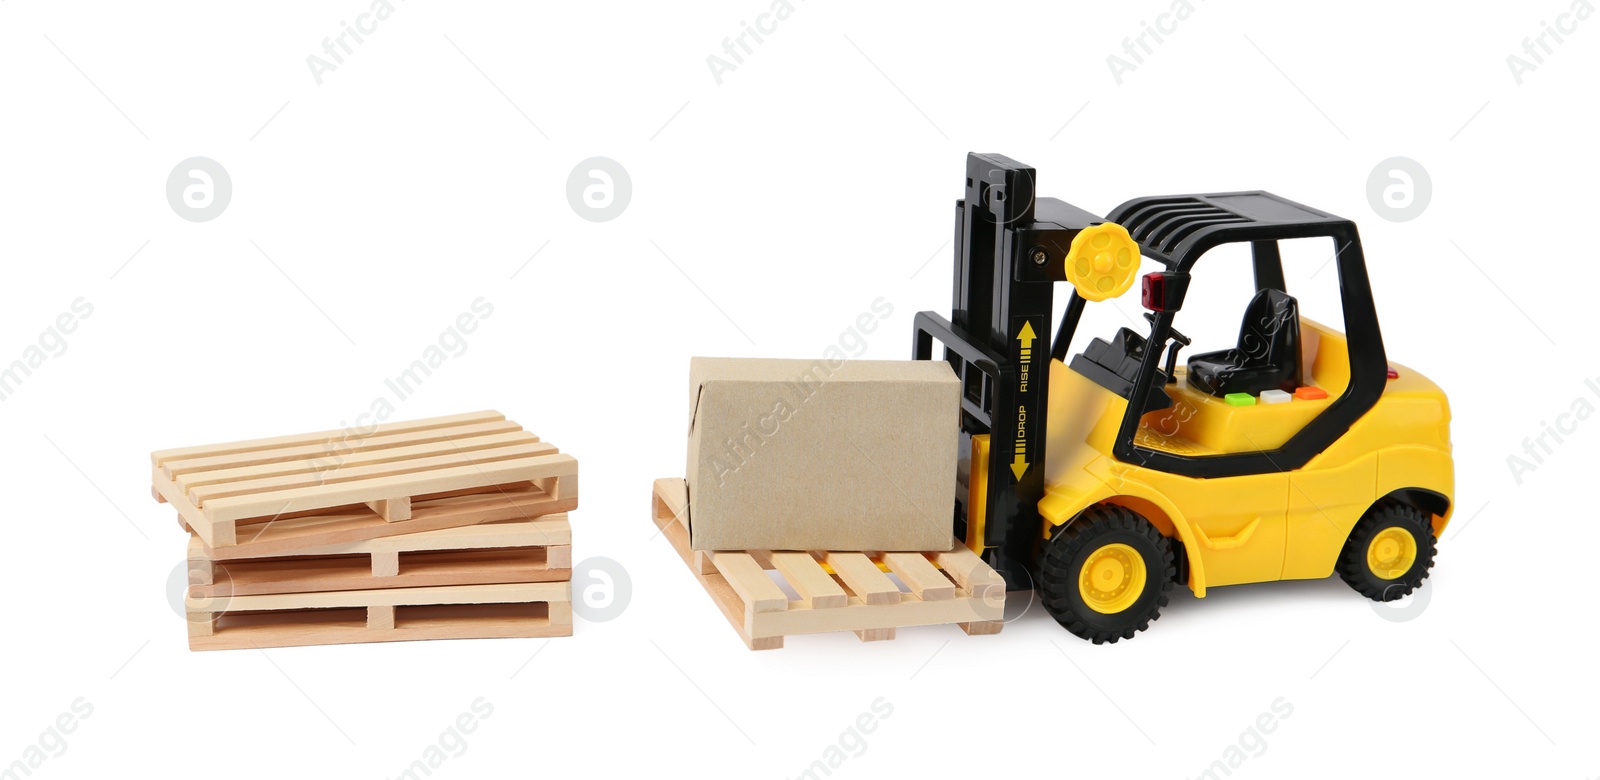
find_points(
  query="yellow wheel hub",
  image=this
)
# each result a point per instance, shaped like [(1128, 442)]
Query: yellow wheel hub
[(1391, 553), (1112, 578), (1102, 261)]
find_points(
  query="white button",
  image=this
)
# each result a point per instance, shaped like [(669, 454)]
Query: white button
[(1275, 397)]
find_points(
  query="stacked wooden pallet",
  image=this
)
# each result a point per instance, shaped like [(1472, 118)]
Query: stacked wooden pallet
[(450, 527), (837, 591)]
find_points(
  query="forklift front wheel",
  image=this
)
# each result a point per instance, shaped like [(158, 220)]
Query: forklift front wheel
[(1105, 576)]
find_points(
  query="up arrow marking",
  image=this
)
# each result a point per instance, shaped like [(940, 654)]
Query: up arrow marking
[(1026, 335)]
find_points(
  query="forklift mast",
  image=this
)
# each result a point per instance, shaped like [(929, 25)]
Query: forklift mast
[(1011, 249)]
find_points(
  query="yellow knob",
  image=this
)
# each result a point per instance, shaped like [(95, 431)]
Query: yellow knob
[(1102, 261)]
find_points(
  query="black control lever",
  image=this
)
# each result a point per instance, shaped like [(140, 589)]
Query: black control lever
[(1179, 341)]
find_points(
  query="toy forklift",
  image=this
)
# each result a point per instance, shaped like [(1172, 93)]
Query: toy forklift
[(1104, 478)]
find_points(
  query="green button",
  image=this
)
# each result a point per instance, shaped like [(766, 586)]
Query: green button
[(1240, 399)]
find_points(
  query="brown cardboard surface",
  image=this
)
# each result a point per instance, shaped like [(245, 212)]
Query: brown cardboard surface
[(820, 455)]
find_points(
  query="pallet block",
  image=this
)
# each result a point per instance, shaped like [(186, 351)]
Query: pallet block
[(309, 490), (539, 609), (537, 550), (838, 591)]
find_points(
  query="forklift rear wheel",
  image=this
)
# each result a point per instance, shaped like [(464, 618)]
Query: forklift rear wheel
[(1389, 553), (1105, 576)]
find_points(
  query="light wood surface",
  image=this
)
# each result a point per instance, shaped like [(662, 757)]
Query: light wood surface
[(923, 578), (670, 494), (355, 485), (197, 472), (399, 614), (863, 577), (296, 534), (815, 587), (750, 581), (471, 474), (546, 530), (409, 426), (944, 587), (523, 551)]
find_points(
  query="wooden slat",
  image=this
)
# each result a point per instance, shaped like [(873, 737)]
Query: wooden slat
[(508, 621), (750, 581), (664, 492), (869, 621), (201, 495), (815, 587), (669, 505), (859, 616), (862, 575), (673, 496), (971, 573), (548, 530), (161, 456), (467, 442), (485, 611), (316, 457), (516, 593), (188, 513), (923, 578), (260, 576), (338, 494), (293, 536)]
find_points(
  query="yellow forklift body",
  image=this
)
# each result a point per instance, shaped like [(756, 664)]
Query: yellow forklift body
[(1257, 527)]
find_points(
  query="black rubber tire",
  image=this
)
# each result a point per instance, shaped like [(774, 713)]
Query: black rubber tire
[(1353, 568), (1065, 553)]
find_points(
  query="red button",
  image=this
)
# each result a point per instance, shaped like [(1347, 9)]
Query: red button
[(1310, 393)]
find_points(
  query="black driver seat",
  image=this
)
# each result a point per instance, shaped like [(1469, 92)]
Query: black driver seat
[(1268, 355)]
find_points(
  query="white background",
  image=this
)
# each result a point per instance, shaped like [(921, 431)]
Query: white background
[(767, 213)]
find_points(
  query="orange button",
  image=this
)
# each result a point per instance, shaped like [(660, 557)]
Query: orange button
[(1310, 393)]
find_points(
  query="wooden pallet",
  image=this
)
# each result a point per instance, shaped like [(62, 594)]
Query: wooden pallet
[(838, 591), (537, 550), (538, 609), (309, 490)]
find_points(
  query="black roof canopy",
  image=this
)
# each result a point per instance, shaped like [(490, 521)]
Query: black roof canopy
[(1176, 230)]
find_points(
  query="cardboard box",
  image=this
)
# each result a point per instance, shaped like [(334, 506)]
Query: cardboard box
[(822, 455)]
